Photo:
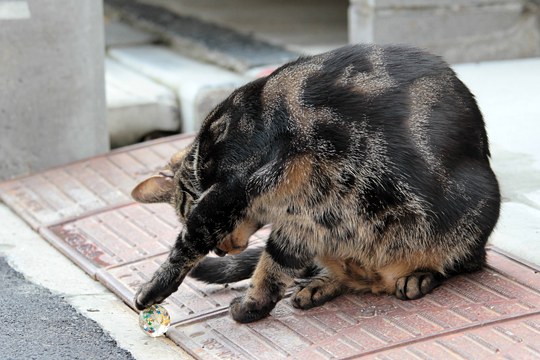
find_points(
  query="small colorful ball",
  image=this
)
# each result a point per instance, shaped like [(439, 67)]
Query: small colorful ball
[(155, 320)]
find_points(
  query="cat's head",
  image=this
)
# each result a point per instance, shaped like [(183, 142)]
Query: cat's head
[(170, 185)]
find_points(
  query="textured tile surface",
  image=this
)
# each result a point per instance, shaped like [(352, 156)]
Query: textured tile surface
[(117, 236), (92, 185), (517, 339), (84, 209), (354, 325)]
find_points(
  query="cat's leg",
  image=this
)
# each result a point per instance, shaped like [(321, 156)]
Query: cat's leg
[(208, 223), (337, 277), (281, 261), (402, 278), (170, 274), (409, 280)]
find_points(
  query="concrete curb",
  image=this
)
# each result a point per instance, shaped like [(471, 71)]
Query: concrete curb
[(29, 254)]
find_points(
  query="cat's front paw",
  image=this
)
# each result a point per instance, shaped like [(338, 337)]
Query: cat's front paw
[(156, 290), (246, 309), (148, 295)]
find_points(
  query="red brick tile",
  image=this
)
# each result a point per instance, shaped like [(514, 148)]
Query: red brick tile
[(86, 211), (356, 325), (117, 236), (86, 186), (514, 338)]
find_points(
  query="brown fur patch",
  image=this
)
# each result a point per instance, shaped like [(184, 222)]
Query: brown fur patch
[(349, 273), (380, 280), (237, 240), (296, 175), (390, 273), (268, 275)]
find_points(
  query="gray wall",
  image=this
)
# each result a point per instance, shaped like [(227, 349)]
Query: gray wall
[(52, 92)]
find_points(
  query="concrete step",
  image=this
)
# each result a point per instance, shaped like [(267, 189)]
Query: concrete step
[(202, 40), (198, 86), (137, 105), (152, 88), (120, 34), (304, 26), (459, 30)]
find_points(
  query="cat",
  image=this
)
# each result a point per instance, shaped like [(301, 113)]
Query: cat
[(370, 162)]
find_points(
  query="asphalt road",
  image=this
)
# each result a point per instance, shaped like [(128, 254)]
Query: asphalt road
[(37, 324)]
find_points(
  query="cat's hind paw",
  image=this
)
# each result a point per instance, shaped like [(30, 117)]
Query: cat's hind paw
[(315, 293), (416, 285)]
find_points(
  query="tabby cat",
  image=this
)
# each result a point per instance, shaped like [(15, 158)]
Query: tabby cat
[(370, 162)]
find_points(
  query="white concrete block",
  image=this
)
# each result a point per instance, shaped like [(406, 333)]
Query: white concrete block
[(430, 3), (188, 78), (137, 105), (52, 100), (534, 197), (508, 93), (518, 231)]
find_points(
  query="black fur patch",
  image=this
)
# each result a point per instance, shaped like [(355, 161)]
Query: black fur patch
[(322, 184), (333, 138), (292, 210), (380, 194), (238, 267), (284, 256)]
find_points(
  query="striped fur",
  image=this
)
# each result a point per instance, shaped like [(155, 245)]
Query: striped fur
[(371, 163)]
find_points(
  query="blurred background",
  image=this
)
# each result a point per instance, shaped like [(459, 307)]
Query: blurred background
[(79, 78)]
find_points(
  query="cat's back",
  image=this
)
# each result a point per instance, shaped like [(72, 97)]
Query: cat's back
[(368, 68), (404, 95), (356, 102)]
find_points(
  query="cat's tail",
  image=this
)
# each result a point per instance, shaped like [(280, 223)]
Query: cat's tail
[(227, 269)]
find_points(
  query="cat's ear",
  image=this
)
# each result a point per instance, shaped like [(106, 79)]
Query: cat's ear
[(155, 189)]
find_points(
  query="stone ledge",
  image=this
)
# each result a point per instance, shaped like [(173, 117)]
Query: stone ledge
[(137, 105), (201, 40), (460, 31), (198, 86)]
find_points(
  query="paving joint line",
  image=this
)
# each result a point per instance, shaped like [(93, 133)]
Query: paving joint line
[(513, 258), (89, 213), (456, 330)]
